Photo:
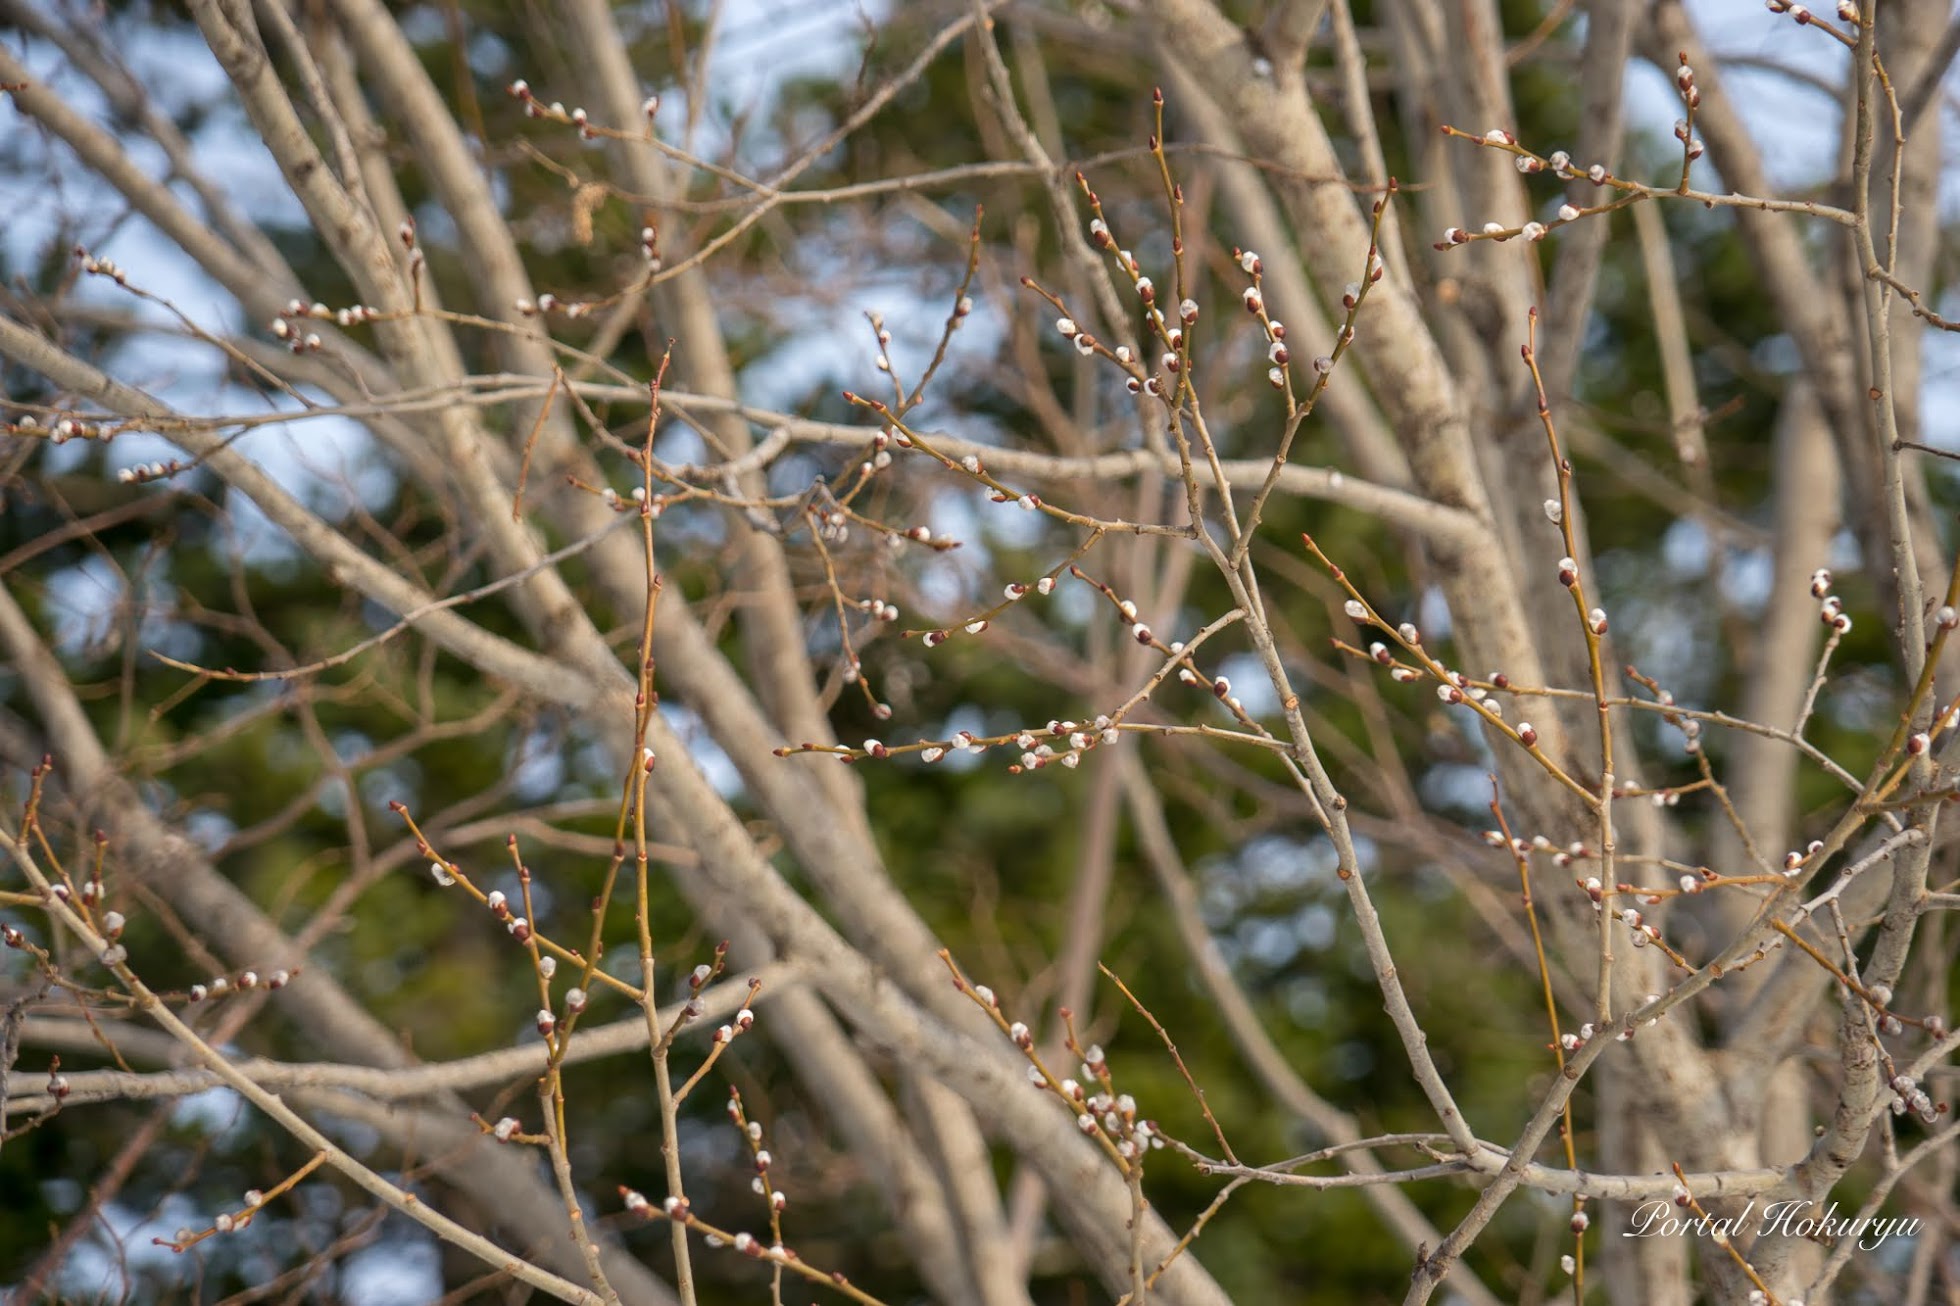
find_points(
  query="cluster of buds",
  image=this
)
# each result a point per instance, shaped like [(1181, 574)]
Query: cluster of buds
[(750, 1245), (1684, 81), (1801, 14), (144, 473), (299, 342), (1561, 857), (832, 527), (1684, 134), (1099, 1109), (223, 1222), (352, 315), (884, 361), (1103, 1112), (1085, 344), (692, 1009), (1220, 687), (1278, 353), (520, 90), (1077, 739), (761, 1184), (1794, 861), (1517, 846), (1559, 164), (1116, 1114), (499, 905), (246, 980), (1497, 231), (744, 1021), (101, 267), (637, 497), (61, 432), (1831, 612), (1025, 502), (963, 742), (1456, 688), (1912, 1098), (1642, 933), (548, 303)]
